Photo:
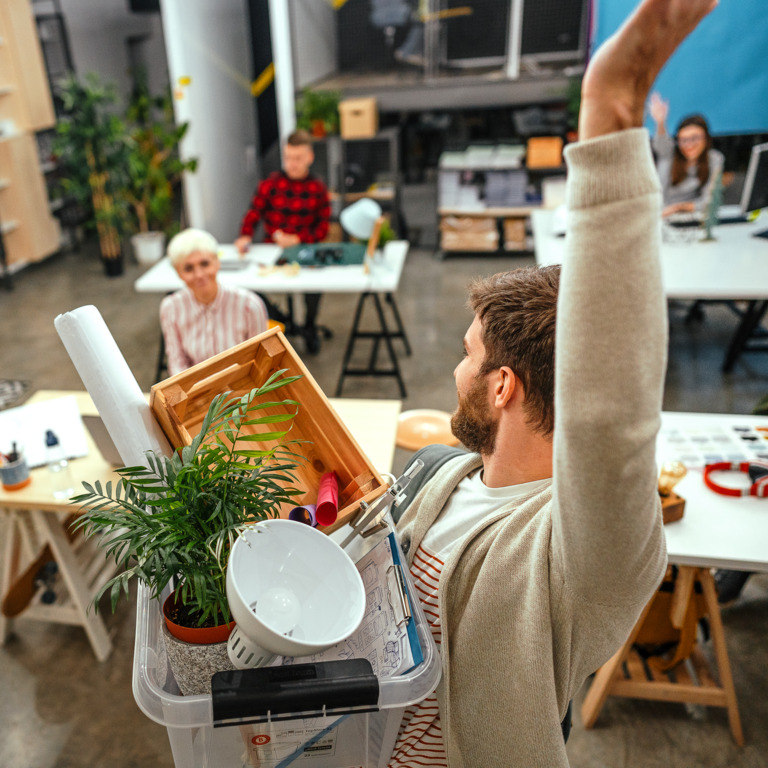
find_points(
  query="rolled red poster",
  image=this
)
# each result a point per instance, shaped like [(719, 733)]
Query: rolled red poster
[(327, 499), (305, 514)]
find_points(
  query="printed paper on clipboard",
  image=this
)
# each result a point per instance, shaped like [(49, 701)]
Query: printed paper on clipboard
[(387, 636)]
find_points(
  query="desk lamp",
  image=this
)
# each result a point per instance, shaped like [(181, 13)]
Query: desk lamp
[(292, 591), (363, 220)]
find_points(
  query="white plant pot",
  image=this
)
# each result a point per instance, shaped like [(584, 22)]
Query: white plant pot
[(192, 665), (148, 246)]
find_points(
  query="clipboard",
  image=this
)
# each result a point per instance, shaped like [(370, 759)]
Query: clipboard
[(400, 599)]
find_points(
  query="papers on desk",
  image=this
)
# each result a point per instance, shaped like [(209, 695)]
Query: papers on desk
[(28, 424), (261, 254), (697, 446)]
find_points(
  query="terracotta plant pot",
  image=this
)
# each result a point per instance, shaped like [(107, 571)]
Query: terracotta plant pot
[(195, 635), (318, 129)]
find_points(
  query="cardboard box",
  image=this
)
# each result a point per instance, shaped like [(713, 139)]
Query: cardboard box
[(544, 152), (469, 233), (515, 238), (181, 402), (359, 118)]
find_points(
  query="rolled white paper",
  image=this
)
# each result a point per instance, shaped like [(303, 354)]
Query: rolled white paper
[(111, 385)]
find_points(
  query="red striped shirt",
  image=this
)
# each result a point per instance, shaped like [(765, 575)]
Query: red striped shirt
[(420, 740), (193, 332)]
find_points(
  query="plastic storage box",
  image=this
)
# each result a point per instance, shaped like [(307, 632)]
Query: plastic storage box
[(364, 739)]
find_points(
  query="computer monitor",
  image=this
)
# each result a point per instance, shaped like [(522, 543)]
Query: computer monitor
[(755, 193)]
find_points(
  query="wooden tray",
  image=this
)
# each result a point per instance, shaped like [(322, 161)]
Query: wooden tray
[(181, 402)]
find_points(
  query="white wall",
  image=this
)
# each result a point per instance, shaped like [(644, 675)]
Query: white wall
[(97, 33), (207, 43), (313, 38)]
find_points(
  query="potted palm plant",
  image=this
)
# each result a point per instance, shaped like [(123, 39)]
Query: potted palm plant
[(154, 169), (318, 112), (173, 522)]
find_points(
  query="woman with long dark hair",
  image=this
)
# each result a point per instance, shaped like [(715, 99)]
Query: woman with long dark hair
[(688, 166)]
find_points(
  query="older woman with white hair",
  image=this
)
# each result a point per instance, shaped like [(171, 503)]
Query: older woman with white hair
[(204, 318)]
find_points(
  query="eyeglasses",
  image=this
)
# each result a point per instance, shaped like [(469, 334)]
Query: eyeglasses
[(688, 140)]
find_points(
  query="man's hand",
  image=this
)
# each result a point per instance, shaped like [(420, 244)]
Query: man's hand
[(284, 239), (242, 243), (619, 77)]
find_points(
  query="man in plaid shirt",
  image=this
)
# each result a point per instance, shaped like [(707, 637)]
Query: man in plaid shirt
[(294, 208)]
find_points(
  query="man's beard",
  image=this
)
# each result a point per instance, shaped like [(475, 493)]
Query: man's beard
[(472, 423)]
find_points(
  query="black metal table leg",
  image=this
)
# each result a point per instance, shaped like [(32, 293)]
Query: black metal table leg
[(400, 334), (382, 333), (749, 322)]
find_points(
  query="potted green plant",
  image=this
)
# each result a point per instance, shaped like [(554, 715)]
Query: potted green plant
[(90, 150), (154, 170), (173, 522), (318, 112)]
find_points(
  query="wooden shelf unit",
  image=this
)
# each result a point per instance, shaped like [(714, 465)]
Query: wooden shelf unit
[(467, 223), (26, 107)]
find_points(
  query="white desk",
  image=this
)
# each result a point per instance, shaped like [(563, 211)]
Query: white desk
[(33, 519), (734, 266), (716, 531), (259, 273)]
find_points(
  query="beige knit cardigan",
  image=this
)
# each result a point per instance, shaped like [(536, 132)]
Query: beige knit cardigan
[(546, 589)]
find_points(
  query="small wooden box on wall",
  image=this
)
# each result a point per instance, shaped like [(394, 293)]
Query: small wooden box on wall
[(672, 507)]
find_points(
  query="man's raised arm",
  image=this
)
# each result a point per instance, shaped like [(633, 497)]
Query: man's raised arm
[(611, 326)]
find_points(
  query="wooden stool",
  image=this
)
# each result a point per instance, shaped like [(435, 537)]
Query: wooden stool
[(424, 426), (628, 674)]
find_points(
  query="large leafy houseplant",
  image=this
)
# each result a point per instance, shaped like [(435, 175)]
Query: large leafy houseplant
[(90, 149), (176, 518), (154, 165)]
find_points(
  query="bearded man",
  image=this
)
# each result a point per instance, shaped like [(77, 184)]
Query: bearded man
[(534, 555)]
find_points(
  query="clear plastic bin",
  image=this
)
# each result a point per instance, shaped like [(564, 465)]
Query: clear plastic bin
[(356, 740)]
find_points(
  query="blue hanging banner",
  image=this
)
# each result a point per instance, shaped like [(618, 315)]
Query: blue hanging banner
[(719, 70)]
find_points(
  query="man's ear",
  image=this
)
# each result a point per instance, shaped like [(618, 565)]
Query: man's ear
[(505, 386)]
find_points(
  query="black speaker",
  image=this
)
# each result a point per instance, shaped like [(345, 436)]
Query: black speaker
[(554, 29)]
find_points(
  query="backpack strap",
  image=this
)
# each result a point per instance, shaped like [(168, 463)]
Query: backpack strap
[(433, 457)]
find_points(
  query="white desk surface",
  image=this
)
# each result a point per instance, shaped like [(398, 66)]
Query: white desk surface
[(373, 423), (259, 273), (733, 266), (717, 531)]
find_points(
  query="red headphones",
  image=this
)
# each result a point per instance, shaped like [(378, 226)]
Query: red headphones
[(759, 485)]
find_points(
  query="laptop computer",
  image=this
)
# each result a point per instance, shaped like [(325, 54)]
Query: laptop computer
[(95, 425)]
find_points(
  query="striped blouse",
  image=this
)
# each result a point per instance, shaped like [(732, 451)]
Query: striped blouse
[(193, 332)]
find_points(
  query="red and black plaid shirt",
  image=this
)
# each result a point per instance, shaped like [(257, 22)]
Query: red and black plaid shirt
[(295, 206)]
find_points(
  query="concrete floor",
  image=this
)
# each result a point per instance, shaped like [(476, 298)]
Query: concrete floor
[(60, 708)]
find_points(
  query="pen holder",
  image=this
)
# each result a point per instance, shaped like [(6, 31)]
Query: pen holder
[(15, 474)]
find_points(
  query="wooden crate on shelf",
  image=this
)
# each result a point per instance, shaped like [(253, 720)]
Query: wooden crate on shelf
[(181, 402), (514, 234), (468, 233)]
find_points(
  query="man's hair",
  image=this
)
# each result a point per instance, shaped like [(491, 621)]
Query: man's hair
[(299, 138), (187, 242), (517, 311)]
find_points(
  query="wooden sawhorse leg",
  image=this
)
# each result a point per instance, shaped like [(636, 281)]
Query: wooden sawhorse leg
[(82, 566), (625, 674)]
